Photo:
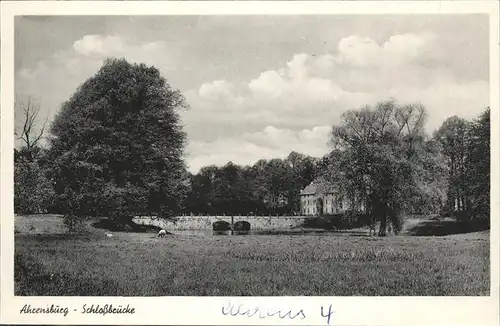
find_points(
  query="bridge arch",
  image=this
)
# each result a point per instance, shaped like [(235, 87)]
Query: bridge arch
[(241, 226), (221, 226)]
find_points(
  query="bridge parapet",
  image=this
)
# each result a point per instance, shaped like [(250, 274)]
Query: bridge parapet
[(200, 222)]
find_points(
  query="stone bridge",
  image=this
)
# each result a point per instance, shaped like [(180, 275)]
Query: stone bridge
[(190, 222)]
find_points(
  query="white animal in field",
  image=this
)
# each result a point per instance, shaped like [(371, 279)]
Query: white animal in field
[(109, 235), (372, 225), (162, 233), (372, 229)]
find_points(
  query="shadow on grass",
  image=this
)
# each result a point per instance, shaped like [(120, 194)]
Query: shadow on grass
[(125, 226), (448, 227), (335, 222), (31, 280)]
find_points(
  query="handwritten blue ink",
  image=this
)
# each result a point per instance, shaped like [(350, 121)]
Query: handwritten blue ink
[(328, 316), (231, 310)]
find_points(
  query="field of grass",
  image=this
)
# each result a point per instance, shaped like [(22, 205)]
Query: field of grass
[(50, 262)]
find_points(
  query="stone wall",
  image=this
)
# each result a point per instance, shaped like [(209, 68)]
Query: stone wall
[(205, 222)]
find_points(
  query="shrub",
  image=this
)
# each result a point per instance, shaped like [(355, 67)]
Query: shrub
[(73, 224), (33, 193)]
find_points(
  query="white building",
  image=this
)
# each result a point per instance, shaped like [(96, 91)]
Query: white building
[(311, 201)]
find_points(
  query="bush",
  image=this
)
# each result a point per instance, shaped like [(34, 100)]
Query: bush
[(33, 193), (72, 223)]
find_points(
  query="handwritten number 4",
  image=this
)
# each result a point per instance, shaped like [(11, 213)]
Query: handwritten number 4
[(328, 315)]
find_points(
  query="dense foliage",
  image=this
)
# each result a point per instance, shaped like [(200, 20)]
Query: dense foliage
[(383, 163), (33, 192), (117, 145), (466, 146), (267, 187)]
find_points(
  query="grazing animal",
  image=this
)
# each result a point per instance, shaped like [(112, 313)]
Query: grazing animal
[(372, 228), (389, 228), (373, 223), (109, 235), (162, 233)]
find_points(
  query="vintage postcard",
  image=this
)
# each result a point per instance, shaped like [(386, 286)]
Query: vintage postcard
[(250, 163)]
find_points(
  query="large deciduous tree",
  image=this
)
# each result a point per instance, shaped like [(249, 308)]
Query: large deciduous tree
[(302, 172), (117, 145), (30, 129), (466, 146), (453, 135), (383, 162), (33, 192), (479, 166)]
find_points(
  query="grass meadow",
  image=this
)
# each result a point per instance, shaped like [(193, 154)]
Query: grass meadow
[(50, 262)]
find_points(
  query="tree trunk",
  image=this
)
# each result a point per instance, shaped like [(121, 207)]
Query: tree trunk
[(383, 223)]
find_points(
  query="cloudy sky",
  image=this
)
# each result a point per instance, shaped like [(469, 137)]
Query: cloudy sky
[(262, 86)]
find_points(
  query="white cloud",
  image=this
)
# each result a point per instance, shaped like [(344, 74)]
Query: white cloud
[(86, 56), (282, 108), (307, 141), (57, 77), (296, 82), (248, 148), (269, 83), (297, 68), (216, 89), (99, 45), (324, 61), (218, 95), (397, 50), (292, 107), (358, 51)]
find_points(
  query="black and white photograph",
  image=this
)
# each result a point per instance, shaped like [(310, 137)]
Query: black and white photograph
[(318, 155)]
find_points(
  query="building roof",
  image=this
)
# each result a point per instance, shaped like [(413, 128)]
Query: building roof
[(312, 189), (309, 190)]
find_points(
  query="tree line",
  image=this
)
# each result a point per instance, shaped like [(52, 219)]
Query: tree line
[(384, 161), (116, 149), (466, 148), (267, 187)]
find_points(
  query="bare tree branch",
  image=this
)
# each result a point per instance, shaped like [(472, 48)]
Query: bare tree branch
[(29, 133)]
